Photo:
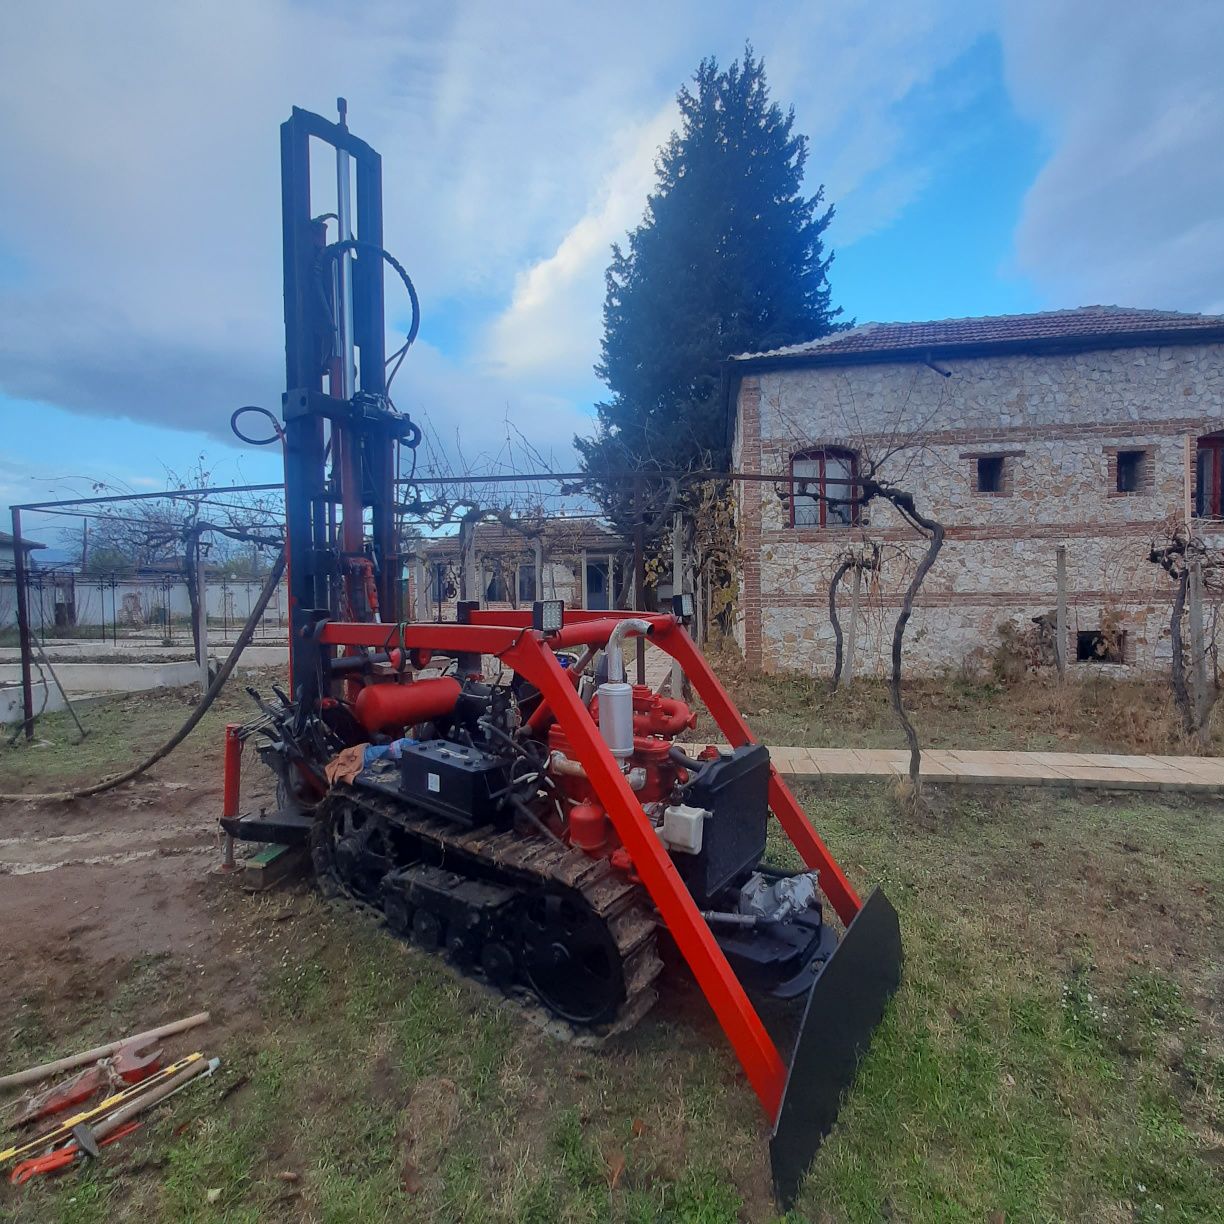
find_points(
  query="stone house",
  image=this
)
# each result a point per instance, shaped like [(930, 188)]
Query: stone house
[(1093, 429)]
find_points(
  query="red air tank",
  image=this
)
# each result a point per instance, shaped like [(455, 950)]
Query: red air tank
[(380, 706)]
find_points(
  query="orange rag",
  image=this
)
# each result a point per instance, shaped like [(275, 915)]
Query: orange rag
[(346, 765)]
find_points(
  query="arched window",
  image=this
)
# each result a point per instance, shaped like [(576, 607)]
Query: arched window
[(824, 488)]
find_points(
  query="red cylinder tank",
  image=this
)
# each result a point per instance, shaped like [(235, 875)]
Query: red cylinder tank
[(588, 827), (380, 706)]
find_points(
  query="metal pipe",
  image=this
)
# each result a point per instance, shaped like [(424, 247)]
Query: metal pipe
[(740, 920), (344, 224), (615, 655), (558, 762), (23, 628)]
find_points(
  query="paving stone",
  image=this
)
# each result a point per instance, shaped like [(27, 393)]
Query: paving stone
[(988, 767)]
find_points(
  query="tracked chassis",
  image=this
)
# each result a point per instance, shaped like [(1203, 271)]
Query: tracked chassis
[(524, 913)]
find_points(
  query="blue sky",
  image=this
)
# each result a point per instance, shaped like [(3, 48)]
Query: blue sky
[(983, 158)]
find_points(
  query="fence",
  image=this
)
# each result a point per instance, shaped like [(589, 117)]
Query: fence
[(67, 605)]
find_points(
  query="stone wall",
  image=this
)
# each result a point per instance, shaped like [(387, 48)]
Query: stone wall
[(1057, 421)]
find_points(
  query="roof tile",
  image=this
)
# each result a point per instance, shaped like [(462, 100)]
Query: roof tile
[(1082, 325)]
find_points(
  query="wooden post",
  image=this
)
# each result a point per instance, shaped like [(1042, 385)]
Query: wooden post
[(420, 590), (467, 560), (848, 666), (538, 548), (1060, 615), (639, 569), (1190, 475), (201, 616), (677, 672), (1198, 647)]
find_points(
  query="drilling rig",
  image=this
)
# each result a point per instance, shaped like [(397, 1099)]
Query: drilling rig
[(515, 804)]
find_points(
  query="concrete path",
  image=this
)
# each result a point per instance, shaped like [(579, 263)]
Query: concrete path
[(1076, 770)]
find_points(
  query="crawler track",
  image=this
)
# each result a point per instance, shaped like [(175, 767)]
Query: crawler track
[(392, 835)]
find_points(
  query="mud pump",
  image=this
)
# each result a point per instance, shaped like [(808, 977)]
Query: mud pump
[(535, 823)]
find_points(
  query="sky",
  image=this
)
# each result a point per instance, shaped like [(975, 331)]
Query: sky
[(983, 158)]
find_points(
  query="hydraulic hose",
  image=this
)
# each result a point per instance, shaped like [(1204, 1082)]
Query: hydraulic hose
[(243, 640)]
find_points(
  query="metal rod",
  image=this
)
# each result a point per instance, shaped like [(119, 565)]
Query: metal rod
[(46, 662), (344, 224)]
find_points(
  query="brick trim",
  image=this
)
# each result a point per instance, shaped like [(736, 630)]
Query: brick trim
[(984, 599), (751, 493), (1018, 531), (1003, 435)]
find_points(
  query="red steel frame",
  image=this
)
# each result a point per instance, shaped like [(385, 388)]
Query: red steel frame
[(509, 636)]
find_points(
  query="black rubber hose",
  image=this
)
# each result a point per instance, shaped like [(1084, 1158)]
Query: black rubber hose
[(677, 754), (244, 638), (331, 252)]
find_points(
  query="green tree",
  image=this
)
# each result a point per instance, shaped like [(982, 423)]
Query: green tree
[(729, 258)]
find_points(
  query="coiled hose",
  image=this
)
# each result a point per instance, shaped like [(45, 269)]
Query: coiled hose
[(243, 640)]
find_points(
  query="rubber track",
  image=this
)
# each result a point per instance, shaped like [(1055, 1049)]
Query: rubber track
[(523, 861)]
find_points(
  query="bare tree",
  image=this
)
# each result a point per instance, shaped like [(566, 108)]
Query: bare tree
[(1187, 560)]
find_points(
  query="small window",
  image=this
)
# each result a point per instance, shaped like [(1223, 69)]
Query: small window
[(824, 489), (527, 583), (443, 589), (498, 590), (1093, 646), (1130, 471), (990, 474)]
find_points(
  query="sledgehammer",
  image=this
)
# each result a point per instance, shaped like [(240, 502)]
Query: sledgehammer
[(89, 1138)]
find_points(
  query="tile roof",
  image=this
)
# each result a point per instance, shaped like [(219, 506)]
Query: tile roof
[(495, 537), (1084, 327), (7, 540)]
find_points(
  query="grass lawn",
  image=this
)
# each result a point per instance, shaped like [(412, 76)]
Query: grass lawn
[(1086, 715), (1056, 1051)]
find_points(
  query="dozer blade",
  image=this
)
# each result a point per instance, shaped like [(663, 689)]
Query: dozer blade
[(844, 1006)]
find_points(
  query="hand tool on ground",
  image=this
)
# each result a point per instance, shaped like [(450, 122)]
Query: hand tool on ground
[(126, 1066), (61, 1158), (90, 1137), (33, 1074), (88, 1141), (64, 1129)]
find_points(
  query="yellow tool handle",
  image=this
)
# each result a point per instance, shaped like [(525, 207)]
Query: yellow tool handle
[(64, 1129)]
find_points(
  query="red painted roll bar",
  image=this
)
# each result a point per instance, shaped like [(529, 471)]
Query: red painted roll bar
[(509, 637)]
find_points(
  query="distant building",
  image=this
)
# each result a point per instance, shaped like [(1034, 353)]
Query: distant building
[(1091, 428), (580, 562), (8, 550)]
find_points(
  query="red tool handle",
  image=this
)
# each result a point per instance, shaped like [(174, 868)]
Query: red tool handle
[(61, 1158)]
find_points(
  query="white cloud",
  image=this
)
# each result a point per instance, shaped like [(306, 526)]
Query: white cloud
[(141, 278), (141, 153), (465, 412), (1127, 209), (548, 326)]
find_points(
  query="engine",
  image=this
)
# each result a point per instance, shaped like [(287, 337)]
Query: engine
[(480, 754)]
